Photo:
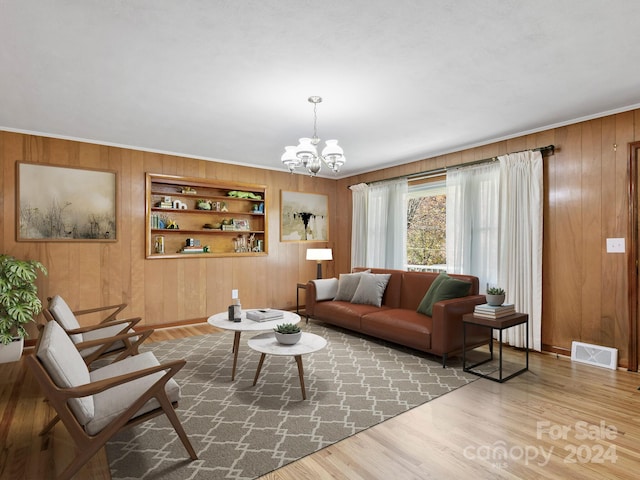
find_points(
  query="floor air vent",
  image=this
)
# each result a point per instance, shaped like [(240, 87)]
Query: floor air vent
[(594, 355)]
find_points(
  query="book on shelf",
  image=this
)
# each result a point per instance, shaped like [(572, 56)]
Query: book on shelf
[(192, 250), (264, 315)]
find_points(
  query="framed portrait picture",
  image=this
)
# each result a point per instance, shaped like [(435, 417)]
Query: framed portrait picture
[(65, 204), (304, 217)]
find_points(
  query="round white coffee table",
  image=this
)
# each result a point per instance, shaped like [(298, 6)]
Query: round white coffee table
[(221, 320), (266, 343)]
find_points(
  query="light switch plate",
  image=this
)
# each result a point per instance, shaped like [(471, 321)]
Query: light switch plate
[(234, 294), (615, 245)]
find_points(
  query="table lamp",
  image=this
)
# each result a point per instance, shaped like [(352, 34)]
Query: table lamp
[(319, 254)]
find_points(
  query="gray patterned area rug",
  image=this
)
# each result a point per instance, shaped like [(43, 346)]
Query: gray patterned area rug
[(241, 431)]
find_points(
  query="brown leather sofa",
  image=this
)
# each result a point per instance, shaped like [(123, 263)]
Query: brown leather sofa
[(397, 320)]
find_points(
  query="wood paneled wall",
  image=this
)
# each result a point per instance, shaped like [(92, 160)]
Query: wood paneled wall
[(585, 202), (160, 291)]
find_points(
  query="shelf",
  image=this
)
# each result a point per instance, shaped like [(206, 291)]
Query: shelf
[(199, 211), (162, 231), (221, 243)]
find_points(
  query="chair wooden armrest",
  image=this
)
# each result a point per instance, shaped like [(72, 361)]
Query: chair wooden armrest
[(130, 340), (92, 388), (127, 323), (118, 308)]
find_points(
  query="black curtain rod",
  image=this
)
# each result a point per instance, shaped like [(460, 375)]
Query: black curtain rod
[(548, 150)]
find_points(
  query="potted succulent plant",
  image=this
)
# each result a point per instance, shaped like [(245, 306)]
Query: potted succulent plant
[(19, 303), (287, 333), (495, 296)]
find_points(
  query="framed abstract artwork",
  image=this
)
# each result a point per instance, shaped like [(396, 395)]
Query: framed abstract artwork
[(304, 217), (57, 203)]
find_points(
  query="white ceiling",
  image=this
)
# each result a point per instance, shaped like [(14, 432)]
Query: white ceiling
[(228, 80)]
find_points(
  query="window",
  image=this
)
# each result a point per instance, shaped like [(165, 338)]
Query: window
[(426, 225)]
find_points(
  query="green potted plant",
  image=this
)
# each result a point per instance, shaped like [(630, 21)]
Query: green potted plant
[(19, 303), (287, 333), (495, 296)]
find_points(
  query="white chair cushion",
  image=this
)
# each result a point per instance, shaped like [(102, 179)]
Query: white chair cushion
[(65, 366), (106, 332), (63, 315), (112, 402), (326, 288)]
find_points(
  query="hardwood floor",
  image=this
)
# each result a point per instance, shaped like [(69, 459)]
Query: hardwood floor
[(559, 420)]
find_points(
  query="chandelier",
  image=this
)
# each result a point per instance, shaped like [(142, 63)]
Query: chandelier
[(306, 154)]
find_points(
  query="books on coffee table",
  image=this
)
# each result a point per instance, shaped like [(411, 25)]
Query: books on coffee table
[(490, 311), (264, 315)]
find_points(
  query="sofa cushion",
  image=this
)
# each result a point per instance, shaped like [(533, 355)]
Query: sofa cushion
[(371, 289), (347, 285), (426, 305), (447, 289), (114, 401), (406, 327)]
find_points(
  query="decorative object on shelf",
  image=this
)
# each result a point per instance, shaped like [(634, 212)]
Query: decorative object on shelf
[(319, 254), (188, 191), (495, 296), (203, 205), (65, 204), (287, 333), (304, 217), (19, 303), (212, 226), (159, 244), (240, 224), (238, 194), (172, 225), (306, 154)]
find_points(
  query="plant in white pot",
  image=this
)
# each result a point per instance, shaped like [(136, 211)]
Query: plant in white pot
[(287, 333), (495, 296), (19, 303)]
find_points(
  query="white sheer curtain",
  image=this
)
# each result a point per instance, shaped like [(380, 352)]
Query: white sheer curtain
[(520, 267), (387, 224), (379, 224), (494, 231), (359, 194), (472, 222)]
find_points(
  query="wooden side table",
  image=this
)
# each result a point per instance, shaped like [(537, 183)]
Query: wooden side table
[(499, 324), (299, 286)]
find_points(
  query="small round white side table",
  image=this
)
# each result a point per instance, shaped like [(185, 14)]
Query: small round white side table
[(266, 343)]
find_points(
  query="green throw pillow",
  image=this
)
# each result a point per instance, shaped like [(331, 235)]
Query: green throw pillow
[(449, 288), (427, 301)]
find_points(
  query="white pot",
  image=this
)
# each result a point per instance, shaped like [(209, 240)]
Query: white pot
[(495, 300), (11, 352), (288, 338)]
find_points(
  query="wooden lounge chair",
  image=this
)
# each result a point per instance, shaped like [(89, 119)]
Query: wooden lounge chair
[(59, 310), (95, 405)]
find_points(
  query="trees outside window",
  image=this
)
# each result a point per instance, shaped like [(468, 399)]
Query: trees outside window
[(426, 226)]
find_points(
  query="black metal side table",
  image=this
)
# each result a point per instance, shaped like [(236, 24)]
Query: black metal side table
[(499, 324)]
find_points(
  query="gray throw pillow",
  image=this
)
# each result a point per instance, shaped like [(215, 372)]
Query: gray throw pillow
[(347, 285), (371, 289)]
